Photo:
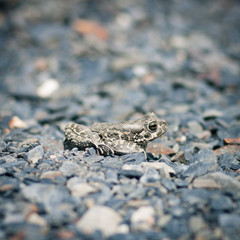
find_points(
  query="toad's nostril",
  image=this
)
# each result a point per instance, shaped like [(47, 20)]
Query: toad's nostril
[(164, 125), (163, 122)]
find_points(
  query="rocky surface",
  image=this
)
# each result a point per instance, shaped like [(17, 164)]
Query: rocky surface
[(90, 61)]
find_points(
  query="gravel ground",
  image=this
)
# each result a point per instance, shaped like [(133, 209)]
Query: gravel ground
[(95, 61)]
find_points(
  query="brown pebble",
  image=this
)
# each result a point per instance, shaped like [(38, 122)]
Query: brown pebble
[(231, 141), (158, 148), (88, 27)]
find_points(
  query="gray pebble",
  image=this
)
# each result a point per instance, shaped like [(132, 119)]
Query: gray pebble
[(35, 154), (69, 169), (227, 161), (2, 170), (168, 184), (221, 203)]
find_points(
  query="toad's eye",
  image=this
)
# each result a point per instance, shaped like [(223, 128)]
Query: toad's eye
[(152, 126)]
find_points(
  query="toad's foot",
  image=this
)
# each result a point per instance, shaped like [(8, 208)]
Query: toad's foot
[(103, 149)]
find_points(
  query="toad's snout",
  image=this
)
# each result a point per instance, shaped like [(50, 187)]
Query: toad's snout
[(163, 125)]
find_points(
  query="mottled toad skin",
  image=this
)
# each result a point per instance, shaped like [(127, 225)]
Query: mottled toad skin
[(116, 138)]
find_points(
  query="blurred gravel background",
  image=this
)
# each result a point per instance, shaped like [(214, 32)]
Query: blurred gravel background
[(91, 61)]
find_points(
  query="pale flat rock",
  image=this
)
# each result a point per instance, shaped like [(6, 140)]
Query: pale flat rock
[(163, 168), (143, 218), (35, 219), (100, 218), (180, 108), (212, 113), (82, 189), (136, 167), (205, 183), (225, 181), (2, 171), (50, 175)]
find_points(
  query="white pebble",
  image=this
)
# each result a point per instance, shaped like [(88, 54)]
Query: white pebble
[(47, 88)]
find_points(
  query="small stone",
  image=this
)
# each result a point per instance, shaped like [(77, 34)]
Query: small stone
[(181, 183), (13, 218), (2, 170), (65, 234), (16, 122), (237, 156), (111, 176), (180, 108), (92, 158), (232, 131), (231, 141), (74, 180), (226, 182), (164, 169), (196, 169), (9, 159), (139, 70), (164, 220), (34, 218), (91, 152), (135, 167), (127, 61), (47, 88), (201, 145), (134, 158), (2, 142), (221, 203), (168, 184), (69, 169), (51, 144), (35, 154), (44, 166), (198, 197), (205, 183), (176, 228), (159, 148), (232, 149), (231, 221), (143, 218), (150, 175), (177, 211), (87, 27), (206, 156), (82, 189), (181, 139), (123, 20), (130, 173), (211, 114), (203, 135), (227, 162), (175, 147), (195, 127), (203, 161), (41, 64), (100, 218), (47, 194), (111, 163), (179, 157), (196, 223), (50, 175)]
